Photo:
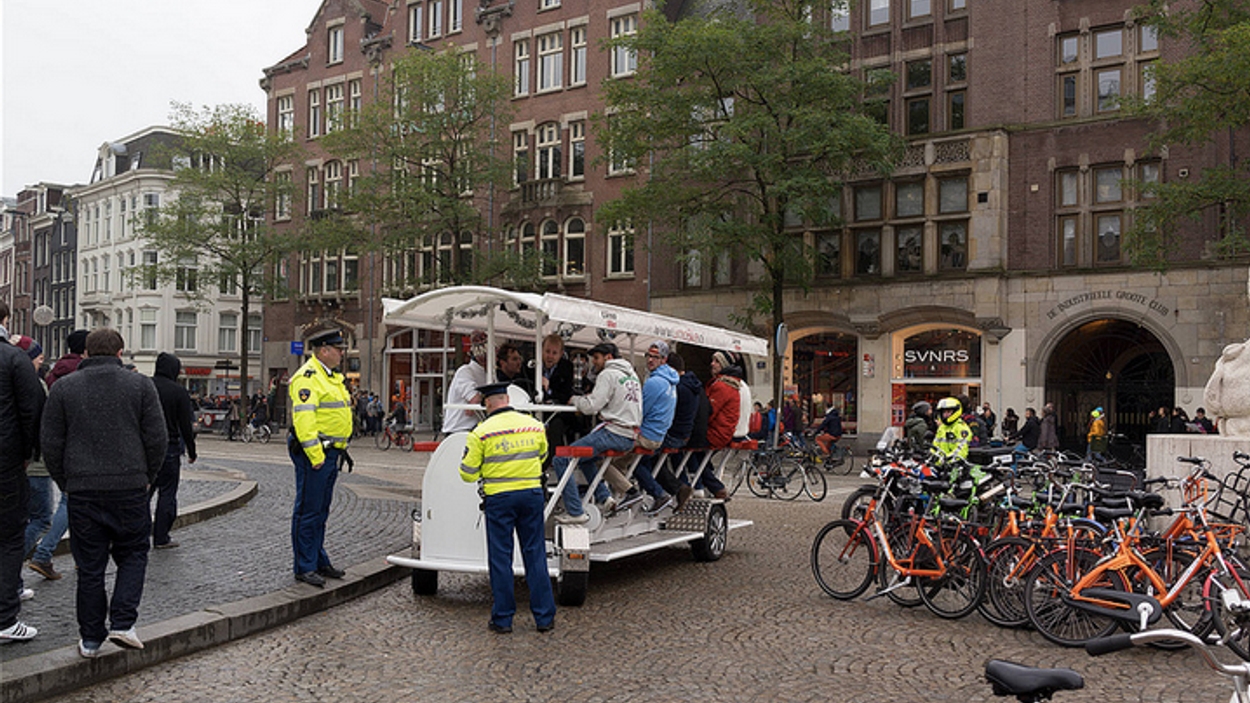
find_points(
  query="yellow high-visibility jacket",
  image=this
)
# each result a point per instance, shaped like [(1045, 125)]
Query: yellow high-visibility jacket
[(321, 412), (505, 452)]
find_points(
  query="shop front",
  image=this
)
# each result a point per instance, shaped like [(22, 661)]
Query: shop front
[(825, 373), (933, 362), (419, 363)]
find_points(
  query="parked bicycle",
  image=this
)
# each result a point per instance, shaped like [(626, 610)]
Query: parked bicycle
[(770, 473)]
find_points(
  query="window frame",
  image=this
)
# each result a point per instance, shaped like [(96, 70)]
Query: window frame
[(624, 62), (550, 62), (335, 44), (521, 68), (620, 252), (577, 56)]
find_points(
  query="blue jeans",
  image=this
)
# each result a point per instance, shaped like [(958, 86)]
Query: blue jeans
[(601, 440), (666, 481), (40, 510), (314, 491), (521, 511), (104, 523), (166, 485), (51, 538)]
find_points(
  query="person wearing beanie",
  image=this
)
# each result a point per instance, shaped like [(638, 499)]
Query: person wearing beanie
[(76, 343), (1097, 437)]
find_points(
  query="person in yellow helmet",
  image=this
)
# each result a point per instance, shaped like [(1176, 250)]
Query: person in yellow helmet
[(953, 436), (321, 426), (1097, 437), (504, 453)]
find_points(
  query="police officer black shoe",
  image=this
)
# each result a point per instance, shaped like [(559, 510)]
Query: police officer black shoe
[(548, 627), (499, 629), (331, 573), (311, 578)]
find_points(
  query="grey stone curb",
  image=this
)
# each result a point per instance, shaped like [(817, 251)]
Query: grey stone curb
[(62, 670)]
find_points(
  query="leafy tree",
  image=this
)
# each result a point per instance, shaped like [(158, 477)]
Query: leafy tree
[(1200, 98), (737, 120), (434, 167), (212, 236)]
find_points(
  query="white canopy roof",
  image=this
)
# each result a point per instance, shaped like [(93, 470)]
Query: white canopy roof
[(582, 322)]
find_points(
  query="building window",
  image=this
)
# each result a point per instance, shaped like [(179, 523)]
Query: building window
[(577, 149), (548, 165), (620, 251), (1108, 44), (919, 74), (624, 60), (1069, 50), (314, 113), (1068, 90), (521, 67), (149, 270), (282, 195), (1068, 240), (185, 276), (954, 239), (619, 163), (550, 248), (1107, 185), (255, 332), (953, 195), (1148, 39), (228, 333), (918, 116), (1146, 70), (574, 248), (840, 18), (868, 252), (334, 184), (958, 5), (353, 101), (455, 15), (520, 156), (919, 8), (957, 68), (910, 257), (1068, 189), (878, 12), (436, 18), (147, 330), (829, 251), (335, 52), (415, 23), (577, 63), (1108, 89), (286, 115), (867, 203), (184, 331), (550, 61), (1108, 248), (334, 107), (909, 199), (955, 109), (548, 4), (1148, 174), (314, 189)]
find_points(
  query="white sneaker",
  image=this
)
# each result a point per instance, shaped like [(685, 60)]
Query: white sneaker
[(19, 632), (566, 519), (88, 650), (126, 638), (25, 594)]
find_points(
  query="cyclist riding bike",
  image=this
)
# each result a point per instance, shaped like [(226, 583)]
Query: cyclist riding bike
[(830, 430)]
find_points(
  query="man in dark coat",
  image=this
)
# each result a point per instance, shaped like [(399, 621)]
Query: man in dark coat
[(179, 425), (21, 403), (104, 441)]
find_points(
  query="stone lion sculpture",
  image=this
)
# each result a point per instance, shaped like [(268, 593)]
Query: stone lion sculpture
[(1227, 395)]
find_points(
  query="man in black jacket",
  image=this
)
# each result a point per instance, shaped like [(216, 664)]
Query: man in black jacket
[(179, 422), (104, 440), (21, 402)]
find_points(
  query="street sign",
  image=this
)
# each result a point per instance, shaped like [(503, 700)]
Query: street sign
[(297, 348)]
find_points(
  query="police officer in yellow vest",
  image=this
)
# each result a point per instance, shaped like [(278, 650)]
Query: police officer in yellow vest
[(505, 453), (321, 419)]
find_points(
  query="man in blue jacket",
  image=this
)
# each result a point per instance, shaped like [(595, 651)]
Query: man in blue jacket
[(659, 402)]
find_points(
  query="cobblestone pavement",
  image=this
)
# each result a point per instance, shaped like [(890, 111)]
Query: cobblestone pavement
[(658, 627), (246, 552)]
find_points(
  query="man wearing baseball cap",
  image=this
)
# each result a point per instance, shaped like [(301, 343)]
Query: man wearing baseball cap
[(321, 426)]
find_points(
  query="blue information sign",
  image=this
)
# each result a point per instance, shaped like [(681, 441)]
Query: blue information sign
[(297, 348)]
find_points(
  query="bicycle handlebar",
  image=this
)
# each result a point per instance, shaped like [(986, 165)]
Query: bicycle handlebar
[(1115, 643)]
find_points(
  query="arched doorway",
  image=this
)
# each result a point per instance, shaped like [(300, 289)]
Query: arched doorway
[(1115, 364)]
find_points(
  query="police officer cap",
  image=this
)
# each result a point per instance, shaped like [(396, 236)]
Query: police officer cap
[(328, 338), (493, 389), (605, 348)]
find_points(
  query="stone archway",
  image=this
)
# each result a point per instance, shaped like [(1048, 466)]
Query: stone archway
[(1116, 364)]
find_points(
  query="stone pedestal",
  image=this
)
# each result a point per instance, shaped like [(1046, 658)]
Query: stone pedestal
[(1162, 450)]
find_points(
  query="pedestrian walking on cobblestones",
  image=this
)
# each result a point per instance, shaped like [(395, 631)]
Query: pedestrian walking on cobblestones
[(179, 425), (505, 454), (21, 402), (102, 405), (321, 428)]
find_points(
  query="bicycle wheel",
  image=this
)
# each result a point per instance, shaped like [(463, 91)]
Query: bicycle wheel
[(957, 592), (1189, 611), (903, 545), (265, 434), (788, 482), (1008, 562), (841, 462), (760, 475), (1230, 613), (1050, 583), (843, 559), (814, 484), (246, 433), (855, 504), (382, 440), (741, 471), (403, 440)]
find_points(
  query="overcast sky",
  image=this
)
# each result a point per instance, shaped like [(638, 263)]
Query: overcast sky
[(78, 73)]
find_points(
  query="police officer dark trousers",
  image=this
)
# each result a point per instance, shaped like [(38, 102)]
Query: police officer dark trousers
[(321, 417), (505, 453)]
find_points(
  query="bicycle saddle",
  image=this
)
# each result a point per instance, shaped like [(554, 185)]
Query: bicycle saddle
[(1029, 683)]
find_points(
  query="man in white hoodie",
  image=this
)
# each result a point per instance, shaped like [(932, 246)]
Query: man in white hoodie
[(617, 398)]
